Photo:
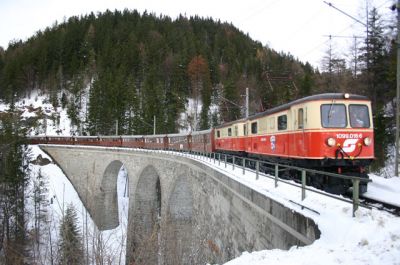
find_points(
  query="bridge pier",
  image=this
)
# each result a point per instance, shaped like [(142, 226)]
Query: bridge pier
[(105, 213)]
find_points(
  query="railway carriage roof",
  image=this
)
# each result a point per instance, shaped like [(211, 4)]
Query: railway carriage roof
[(201, 132), (184, 134)]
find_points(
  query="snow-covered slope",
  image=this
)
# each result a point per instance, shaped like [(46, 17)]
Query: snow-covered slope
[(106, 247)]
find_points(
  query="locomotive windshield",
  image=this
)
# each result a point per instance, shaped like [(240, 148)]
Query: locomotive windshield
[(333, 115), (359, 116)]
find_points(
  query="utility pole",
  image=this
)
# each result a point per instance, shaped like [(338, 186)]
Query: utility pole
[(396, 169), (116, 127), (247, 101), (154, 125)]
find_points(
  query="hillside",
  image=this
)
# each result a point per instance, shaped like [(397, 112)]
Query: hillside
[(128, 67)]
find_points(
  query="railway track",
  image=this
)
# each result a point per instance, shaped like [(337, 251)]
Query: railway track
[(383, 206), (364, 201)]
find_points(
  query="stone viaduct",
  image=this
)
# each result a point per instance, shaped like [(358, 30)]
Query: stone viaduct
[(181, 211)]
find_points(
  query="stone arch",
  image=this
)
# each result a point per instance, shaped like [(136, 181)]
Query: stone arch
[(106, 200), (179, 223), (145, 218)]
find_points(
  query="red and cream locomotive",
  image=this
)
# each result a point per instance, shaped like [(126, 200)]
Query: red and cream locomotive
[(329, 132)]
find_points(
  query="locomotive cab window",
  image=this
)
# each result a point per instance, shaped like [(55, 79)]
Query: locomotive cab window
[(333, 115), (229, 131), (254, 128), (282, 122), (359, 116)]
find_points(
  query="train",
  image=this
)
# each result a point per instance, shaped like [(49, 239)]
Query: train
[(331, 132)]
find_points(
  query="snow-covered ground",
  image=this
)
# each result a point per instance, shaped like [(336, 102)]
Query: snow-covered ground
[(371, 237), (384, 189)]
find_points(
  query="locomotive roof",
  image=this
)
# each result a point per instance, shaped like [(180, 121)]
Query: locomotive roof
[(230, 123), (325, 96)]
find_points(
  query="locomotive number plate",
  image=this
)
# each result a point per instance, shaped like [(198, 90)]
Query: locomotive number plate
[(349, 135)]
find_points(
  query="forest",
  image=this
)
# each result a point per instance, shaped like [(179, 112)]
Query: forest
[(126, 67)]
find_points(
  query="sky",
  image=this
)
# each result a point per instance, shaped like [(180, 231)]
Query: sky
[(301, 28)]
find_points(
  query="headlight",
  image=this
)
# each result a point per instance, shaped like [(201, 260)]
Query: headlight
[(346, 95), (367, 141), (331, 141)]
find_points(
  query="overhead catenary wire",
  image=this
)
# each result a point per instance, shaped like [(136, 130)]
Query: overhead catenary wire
[(341, 11), (338, 33)]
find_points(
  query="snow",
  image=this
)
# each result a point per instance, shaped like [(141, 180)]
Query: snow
[(384, 189), (371, 237)]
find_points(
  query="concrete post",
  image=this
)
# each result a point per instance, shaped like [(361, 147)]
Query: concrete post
[(225, 160), (356, 199), (303, 185), (257, 168)]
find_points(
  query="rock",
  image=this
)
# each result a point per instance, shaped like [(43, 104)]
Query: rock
[(41, 161)]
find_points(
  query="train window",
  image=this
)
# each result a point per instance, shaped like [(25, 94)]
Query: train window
[(218, 134), (333, 115), (245, 129), (254, 128), (282, 122), (300, 118), (359, 116), (229, 131), (236, 131)]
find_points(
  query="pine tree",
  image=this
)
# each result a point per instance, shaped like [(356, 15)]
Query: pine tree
[(200, 84), (373, 56), (70, 245), (40, 192), (14, 157), (377, 85)]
